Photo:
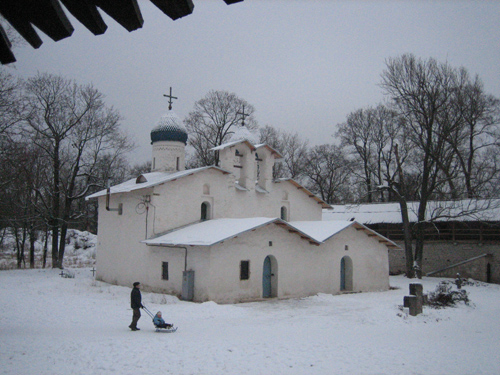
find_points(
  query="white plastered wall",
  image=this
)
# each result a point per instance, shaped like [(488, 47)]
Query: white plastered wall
[(303, 269)]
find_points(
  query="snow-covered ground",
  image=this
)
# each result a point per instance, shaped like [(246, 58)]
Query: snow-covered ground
[(54, 325)]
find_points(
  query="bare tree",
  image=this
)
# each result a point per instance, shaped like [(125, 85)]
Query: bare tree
[(293, 149), (328, 171), (425, 94), (72, 125), (212, 121), (369, 134), (475, 139), (21, 166), (10, 101), (138, 169)]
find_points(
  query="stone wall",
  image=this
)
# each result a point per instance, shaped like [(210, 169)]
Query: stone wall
[(442, 254)]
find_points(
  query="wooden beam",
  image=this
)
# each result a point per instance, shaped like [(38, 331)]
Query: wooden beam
[(175, 9), (86, 12), (14, 13), (49, 17), (6, 55), (126, 12)]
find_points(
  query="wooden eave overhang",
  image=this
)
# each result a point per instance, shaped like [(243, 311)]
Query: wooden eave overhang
[(379, 237), (50, 17)]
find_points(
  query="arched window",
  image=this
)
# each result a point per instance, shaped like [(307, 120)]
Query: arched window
[(205, 211), (346, 272), (284, 213), (206, 189)]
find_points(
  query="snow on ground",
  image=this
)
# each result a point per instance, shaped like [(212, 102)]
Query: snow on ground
[(54, 325)]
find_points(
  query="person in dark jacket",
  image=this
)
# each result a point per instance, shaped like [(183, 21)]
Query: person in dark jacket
[(136, 304)]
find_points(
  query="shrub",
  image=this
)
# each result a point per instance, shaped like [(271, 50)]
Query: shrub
[(444, 296)]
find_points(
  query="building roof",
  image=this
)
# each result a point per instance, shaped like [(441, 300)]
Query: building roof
[(241, 132), (149, 180), (390, 213), (169, 128), (50, 18), (211, 232), (234, 143), (277, 155), (302, 188)]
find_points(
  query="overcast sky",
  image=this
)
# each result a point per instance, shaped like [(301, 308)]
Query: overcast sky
[(303, 64)]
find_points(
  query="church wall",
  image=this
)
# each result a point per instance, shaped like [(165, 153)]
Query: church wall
[(302, 208), (173, 210), (178, 203), (119, 257), (303, 269), (370, 259)]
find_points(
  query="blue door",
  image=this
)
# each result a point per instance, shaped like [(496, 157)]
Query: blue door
[(342, 274), (266, 278)]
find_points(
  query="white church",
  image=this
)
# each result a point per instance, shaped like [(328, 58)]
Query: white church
[(229, 233)]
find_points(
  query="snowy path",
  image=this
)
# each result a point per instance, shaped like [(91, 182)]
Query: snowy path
[(51, 325)]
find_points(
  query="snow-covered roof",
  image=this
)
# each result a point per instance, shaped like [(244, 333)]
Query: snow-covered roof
[(277, 155), (169, 128), (243, 133), (233, 143), (461, 210), (148, 180), (211, 232)]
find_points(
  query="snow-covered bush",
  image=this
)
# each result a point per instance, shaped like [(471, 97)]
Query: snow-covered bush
[(80, 250), (444, 296)]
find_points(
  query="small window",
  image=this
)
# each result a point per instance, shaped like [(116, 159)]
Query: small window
[(244, 270), (177, 164), (164, 270), (346, 247), (205, 211), (284, 215)]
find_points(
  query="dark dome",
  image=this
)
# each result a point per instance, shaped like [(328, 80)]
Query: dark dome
[(169, 128)]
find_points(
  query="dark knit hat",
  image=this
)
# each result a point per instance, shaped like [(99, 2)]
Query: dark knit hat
[(137, 283)]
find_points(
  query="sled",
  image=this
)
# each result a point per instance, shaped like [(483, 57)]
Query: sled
[(165, 330)]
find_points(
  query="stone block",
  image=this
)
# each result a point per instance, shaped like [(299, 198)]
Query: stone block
[(416, 289), (414, 304)]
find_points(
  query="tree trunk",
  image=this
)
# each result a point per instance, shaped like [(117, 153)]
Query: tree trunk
[(62, 243), (32, 245), (408, 240), (45, 247), (56, 207)]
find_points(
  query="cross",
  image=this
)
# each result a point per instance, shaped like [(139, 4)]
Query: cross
[(61, 274), (170, 97), (243, 115), (93, 271)]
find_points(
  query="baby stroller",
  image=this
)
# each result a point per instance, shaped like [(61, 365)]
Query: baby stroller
[(159, 323)]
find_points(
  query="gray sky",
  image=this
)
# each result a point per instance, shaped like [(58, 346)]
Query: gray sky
[(303, 64)]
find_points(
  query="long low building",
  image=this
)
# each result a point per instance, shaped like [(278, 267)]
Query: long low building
[(461, 236)]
